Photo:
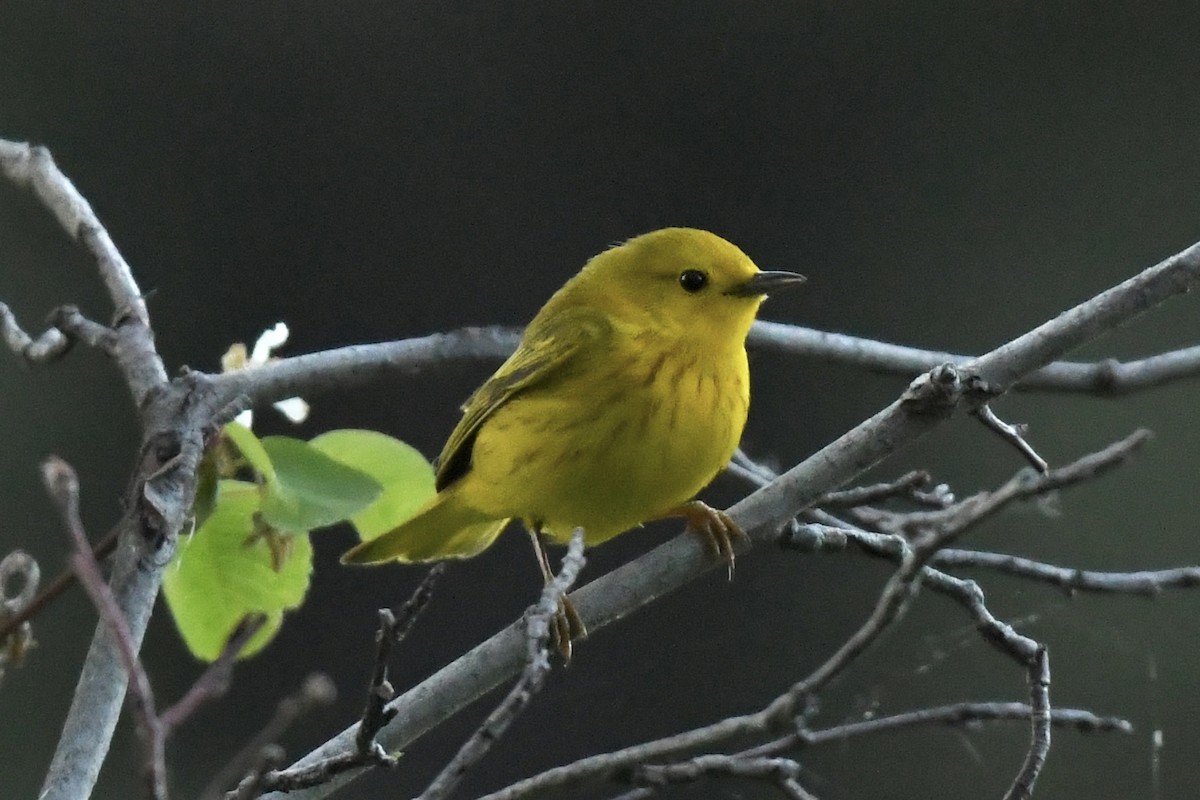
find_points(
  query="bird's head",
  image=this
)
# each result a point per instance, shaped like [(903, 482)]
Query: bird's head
[(690, 281)]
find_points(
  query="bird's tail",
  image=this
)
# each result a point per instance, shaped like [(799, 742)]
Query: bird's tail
[(445, 528)]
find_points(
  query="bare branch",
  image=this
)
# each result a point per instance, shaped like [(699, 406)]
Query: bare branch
[(214, 681), (1039, 719), (33, 168), (96, 705), (782, 772), (906, 487), (934, 530), (1013, 434), (1021, 486), (260, 753), (157, 506), (1107, 378), (50, 345), (52, 590), (956, 714), (393, 628), (270, 757), (334, 370), (1145, 582)]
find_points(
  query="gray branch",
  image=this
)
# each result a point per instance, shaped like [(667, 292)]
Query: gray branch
[(1108, 377), (355, 365), (33, 168)]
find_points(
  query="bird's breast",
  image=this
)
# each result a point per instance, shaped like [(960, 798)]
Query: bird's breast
[(615, 446)]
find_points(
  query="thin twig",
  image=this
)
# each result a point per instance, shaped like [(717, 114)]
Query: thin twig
[(905, 486), (780, 771), (1040, 722), (394, 626), (268, 758), (63, 581), (1013, 434), (956, 714), (214, 681), (1020, 487), (18, 568), (255, 759), (1146, 582), (967, 715), (50, 345)]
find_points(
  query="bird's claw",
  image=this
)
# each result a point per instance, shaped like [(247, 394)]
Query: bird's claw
[(566, 626), (716, 528)]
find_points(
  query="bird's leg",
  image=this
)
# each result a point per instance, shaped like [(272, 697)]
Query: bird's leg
[(567, 624), (715, 527)]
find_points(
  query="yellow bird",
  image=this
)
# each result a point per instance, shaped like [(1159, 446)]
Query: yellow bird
[(626, 396)]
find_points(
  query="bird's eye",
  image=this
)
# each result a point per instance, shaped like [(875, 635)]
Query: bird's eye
[(692, 280)]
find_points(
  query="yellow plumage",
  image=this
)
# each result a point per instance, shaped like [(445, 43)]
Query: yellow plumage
[(626, 396)]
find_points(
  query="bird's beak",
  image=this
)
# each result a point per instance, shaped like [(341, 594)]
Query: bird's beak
[(765, 282)]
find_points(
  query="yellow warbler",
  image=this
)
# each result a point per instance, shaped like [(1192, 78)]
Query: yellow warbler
[(626, 396)]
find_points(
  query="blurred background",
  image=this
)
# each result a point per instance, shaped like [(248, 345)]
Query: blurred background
[(947, 175)]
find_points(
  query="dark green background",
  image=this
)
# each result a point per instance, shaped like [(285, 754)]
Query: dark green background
[(948, 175)]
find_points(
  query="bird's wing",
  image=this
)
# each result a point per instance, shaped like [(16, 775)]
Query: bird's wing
[(548, 347)]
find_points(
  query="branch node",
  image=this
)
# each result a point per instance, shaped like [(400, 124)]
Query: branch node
[(935, 393)]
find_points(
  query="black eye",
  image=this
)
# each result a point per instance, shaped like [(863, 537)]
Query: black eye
[(692, 280)]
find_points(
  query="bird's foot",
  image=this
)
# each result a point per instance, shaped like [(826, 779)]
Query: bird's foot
[(566, 626), (715, 527)]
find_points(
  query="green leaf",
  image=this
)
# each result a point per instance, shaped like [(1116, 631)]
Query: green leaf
[(206, 489), (311, 489), (405, 475), (251, 449), (222, 572)]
